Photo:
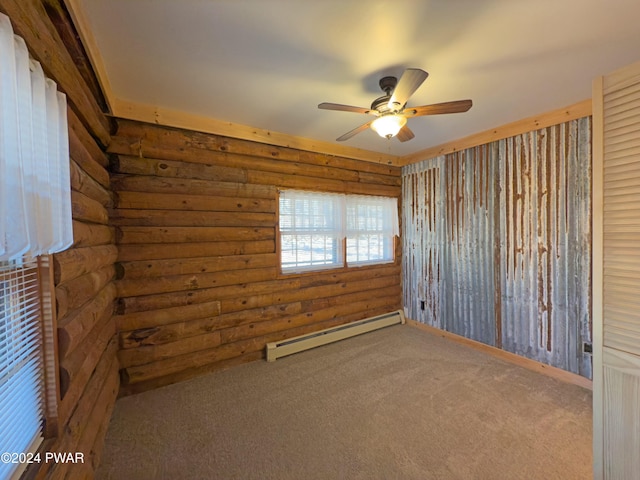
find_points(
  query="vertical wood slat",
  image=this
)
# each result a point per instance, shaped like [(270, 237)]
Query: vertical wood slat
[(616, 284), (621, 330), (514, 252), (622, 427)]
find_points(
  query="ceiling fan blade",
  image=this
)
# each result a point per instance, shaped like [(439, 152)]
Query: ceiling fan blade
[(353, 132), (345, 108), (411, 79), (405, 134), (438, 108)]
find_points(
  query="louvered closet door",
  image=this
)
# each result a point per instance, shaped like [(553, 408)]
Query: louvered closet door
[(616, 276)]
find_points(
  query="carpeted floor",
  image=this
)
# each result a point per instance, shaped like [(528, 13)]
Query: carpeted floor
[(398, 403)]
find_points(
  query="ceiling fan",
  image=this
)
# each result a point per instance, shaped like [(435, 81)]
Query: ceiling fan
[(391, 109)]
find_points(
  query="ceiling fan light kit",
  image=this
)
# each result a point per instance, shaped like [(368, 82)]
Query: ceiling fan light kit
[(388, 126), (391, 107)]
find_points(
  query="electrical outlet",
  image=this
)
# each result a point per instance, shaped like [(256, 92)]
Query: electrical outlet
[(587, 348)]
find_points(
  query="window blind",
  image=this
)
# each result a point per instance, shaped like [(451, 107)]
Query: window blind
[(21, 363)]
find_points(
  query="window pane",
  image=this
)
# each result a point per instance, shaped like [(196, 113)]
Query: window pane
[(371, 226), (369, 248), (311, 230), (21, 362)]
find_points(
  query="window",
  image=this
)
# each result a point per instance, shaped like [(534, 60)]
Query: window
[(372, 223), (328, 230), (22, 395), (35, 220), (311, 226)]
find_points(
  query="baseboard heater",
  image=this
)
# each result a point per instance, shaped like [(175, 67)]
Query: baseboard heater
[(311, 340)]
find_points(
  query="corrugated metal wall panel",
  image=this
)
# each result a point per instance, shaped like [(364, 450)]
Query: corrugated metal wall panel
[(469, 270), (422, 205), (497, 244)]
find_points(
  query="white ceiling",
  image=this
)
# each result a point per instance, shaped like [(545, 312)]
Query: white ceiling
[(268, 63)]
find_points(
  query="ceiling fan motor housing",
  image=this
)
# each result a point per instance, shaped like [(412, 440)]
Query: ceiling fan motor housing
[(381, 104), (387, 84)]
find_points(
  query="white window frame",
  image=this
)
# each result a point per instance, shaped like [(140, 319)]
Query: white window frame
[(319, 231)]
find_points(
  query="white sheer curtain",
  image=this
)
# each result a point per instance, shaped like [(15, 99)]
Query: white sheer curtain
[(35, 198), (367, 213)]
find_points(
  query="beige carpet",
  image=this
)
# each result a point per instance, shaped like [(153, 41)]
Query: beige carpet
[(398, 403)]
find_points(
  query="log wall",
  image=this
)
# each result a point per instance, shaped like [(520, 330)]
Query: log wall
[(198, 279), (83, 275)]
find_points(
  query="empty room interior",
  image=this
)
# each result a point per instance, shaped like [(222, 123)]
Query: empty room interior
[(319, 240)]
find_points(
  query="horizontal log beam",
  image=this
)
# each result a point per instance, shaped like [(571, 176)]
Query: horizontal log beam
[(152, 353), (301, 182), (182, 375), (150, 251), (187, 361), (180, 168), (182, 218), (88, 234), (85, 184), (73, 293), (174, 331), (174, 283), (192, 186), (139, 234), (155, 318), (349, 275), (76, 325), (209, 203), (158, 268), (313, 304), (86, 209), (78, 261)]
